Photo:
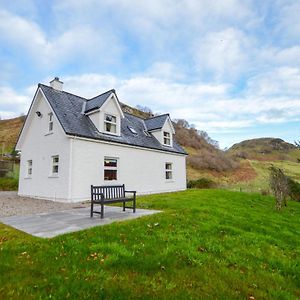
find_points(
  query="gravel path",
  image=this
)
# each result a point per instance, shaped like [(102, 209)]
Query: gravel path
[(11, 204)]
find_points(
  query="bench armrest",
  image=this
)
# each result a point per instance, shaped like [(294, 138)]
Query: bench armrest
[(133, 192)]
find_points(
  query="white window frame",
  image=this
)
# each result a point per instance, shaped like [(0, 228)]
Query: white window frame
[(111, 123), (167, 138), (110, 168), (54, 164), (169, 171), (50, 122), (29, 168)]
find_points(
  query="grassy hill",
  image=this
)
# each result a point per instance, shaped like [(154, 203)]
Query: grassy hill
[(206, 244), (9, 132), (265, 149)]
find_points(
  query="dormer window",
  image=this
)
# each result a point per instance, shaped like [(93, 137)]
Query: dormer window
[(110, 123), (167, 138), (50, 124)]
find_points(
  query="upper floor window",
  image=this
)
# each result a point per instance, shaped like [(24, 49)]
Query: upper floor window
[(110, 168), (29, 168), (167, 138), (50, 124), (55, 164), (110, 123)]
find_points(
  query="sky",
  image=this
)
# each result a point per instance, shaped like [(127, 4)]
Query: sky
[(230, 67)]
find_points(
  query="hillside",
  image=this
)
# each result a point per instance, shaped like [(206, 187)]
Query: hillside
[(204, 153), (265, 149), (9, 132)]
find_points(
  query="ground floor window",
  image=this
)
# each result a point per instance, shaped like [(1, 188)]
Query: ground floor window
[(110, 168), (55, 164), (29, 167), (169, 171)]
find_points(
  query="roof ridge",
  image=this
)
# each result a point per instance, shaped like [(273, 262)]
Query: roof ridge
[(158, 116), (111, 90), (62, 91)]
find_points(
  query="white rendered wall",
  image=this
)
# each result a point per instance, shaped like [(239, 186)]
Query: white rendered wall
[(38, 145), (139, 169)]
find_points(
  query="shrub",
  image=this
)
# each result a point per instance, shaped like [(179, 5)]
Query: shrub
[(279, 186), (294, 189), (201, 183), (8, 184)]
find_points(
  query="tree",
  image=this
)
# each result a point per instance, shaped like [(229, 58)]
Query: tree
[(145, 109), (297, 144), (280, 186)]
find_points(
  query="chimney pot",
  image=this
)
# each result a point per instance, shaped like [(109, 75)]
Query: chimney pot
[(56, 84)]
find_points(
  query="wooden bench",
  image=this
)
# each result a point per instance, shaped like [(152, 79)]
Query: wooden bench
[(110, 194)]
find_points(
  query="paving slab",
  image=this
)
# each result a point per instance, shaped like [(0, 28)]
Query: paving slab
[(48, 225)]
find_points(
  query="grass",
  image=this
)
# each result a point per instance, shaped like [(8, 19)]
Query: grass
[(209, 244)]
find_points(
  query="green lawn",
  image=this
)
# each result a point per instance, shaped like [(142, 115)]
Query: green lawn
[(209, 244)]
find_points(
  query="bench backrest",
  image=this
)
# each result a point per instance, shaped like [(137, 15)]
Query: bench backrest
[(109, 191)]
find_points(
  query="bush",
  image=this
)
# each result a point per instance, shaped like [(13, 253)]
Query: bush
[(294, 189), (279, 186), (201, 183), (8, 184)]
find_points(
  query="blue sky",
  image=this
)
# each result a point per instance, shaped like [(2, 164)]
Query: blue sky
[(230, 67)]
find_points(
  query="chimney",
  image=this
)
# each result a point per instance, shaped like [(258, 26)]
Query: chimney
[(56, 84)]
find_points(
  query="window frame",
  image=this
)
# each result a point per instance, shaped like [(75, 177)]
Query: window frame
[(167, 138), (29, 168), (169, 171), (111, 168), (50, 122), (55, 164), (111, 123)]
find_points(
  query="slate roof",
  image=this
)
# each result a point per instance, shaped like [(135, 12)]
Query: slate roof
[(69, 110), (156, 122), (97, 101)]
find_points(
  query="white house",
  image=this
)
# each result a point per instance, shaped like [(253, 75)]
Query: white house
[(68, 143)]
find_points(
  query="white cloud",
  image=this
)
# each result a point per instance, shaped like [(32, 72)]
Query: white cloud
[(288, 24), (225, 54), (81, 42), (282, 81), (13, 104)]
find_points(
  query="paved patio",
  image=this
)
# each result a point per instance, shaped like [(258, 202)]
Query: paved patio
[(51, 224)]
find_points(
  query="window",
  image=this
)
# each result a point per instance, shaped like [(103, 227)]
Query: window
[(110, 123), (55, 164), (50, 127), (29, 168), (167, 138), (132, 130), (110, 168), (169, 171)]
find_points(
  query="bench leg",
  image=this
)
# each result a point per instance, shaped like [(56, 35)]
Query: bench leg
[(102, 211), (123, 206), (92, 208), (134, 205)]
